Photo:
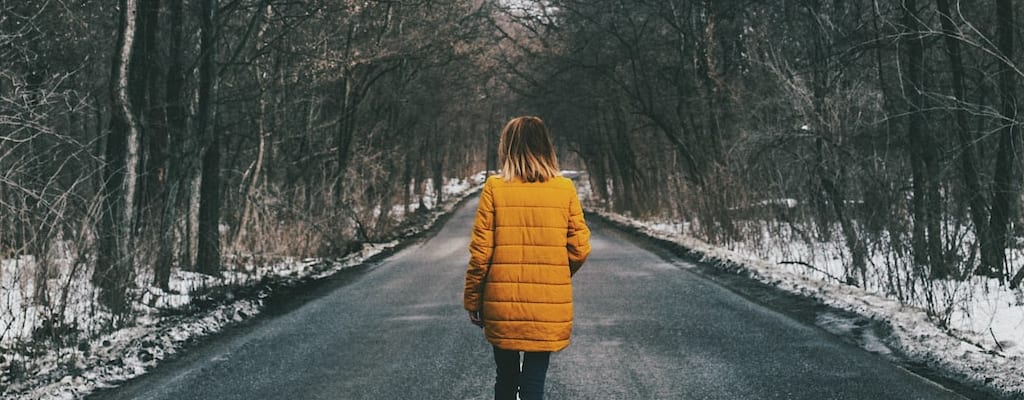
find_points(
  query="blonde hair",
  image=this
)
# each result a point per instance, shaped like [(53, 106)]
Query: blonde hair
[(525, 151)]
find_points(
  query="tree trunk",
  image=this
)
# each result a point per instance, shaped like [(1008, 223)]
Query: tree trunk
[(916, 138), (968, 164), (1004, 191), (933, 207), (492, 145), (407, 185), (190, 245), (1017, 278), (174, 126), (44, 269), (208, 255), (145, 80), (261, 122), (113, 274), (346, 125), (622, 156), (165, 254), (438, 176)]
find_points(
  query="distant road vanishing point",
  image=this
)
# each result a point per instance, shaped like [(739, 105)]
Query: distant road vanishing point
[(646, 327)]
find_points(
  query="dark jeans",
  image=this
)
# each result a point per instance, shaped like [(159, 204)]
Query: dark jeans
[(529, 381)]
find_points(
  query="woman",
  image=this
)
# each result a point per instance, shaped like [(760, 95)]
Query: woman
[(529, 239)]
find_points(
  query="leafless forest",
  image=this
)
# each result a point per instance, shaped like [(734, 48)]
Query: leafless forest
[(143, 137), (891, 126)]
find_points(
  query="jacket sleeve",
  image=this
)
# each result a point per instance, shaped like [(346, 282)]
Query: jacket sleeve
[(578, 243), (481, 247)]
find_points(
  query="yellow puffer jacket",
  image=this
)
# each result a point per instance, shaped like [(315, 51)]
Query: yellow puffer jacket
[(528, 240)]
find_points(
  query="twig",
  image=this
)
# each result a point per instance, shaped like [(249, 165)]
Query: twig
[(813, 268), (7, 328), (1000, 345)]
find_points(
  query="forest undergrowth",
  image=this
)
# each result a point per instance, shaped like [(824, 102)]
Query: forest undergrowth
[(71, 348)]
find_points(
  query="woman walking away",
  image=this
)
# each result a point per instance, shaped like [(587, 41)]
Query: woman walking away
[(529, 239)]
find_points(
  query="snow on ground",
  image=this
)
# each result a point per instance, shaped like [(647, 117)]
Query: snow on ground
[(166, 321), (984, 341), (967, 349)]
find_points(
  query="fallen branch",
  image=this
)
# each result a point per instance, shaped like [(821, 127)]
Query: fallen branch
[(1015, 282), (1000, 345), (815, 269)]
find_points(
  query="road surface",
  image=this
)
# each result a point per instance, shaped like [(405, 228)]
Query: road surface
[(646, 328)]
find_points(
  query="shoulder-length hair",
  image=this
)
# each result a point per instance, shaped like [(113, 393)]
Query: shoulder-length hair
[(525, 151)]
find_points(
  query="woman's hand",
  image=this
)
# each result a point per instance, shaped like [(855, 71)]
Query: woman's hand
[(474, 317)]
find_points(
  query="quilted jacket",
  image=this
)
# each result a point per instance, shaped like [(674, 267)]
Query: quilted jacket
[(528, 240)]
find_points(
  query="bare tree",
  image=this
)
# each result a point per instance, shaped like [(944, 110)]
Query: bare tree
[(1004, 192), (208, 260), (968, 160), (114, 266)]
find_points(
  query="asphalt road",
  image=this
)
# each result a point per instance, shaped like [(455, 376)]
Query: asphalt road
[(646, 328)]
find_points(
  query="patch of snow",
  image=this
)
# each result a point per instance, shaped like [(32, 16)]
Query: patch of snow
[(164, 322), (836, 324), (982, 343), (124, 354), (788, 203), (874, 344), (857, 329)]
